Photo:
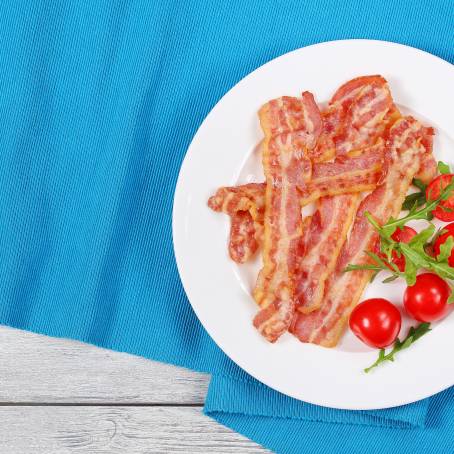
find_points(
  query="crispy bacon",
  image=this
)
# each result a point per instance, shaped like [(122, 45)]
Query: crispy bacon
[(245, 205), (322, 242), (428, 168), (353, 175), (406, 147), (360, 173), (244, 237), (247, 197), (291, 128), (359, 127), (354, 117), (334, 115), (366, 109), (356, 174)]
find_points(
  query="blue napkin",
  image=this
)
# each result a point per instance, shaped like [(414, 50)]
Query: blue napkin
[(98, 104)]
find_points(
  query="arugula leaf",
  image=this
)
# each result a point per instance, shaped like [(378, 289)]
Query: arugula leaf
[(422, 260), (419, 184), (410, 272), (446, 209), (424, 213), (382, 264), (442, 269), (418, 198), (439, 232), (445, 250), (413, 335), (379, 264), (372, 221), (421, 238), (414, 255), (389, 279), (443, 168), (376, 259), (352, 267)]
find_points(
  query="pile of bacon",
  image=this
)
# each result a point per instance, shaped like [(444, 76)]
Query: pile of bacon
[(360, 142)]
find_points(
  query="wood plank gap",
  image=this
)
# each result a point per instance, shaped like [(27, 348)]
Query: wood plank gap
[(98, 404)]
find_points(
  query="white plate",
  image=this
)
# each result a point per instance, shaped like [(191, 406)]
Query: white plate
[(223, 153)]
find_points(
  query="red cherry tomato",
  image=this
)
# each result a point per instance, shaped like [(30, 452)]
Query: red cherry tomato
[(442, 239), (402, 235), (445, 210), (426, 301), (376, 322)]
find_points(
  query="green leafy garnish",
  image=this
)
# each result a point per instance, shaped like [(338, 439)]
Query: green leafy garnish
[(416, 256), (443, 168), (378, 264), (423, 213), (413, 335), (419, 184), (445, 249), (451, 296), (417, 198)]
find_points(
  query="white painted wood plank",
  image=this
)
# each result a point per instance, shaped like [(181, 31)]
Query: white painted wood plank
[(116, 430), (37, 368)]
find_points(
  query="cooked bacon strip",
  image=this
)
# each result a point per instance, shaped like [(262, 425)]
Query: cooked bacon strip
[(354, 117), (244, 237), (246, 206), (408, 142), (353, 175), (334, 115), (366, 109), (247, 197), (360, 173), (427, 169), (361, 125), (322, 242), (356, 174), (291, 128)]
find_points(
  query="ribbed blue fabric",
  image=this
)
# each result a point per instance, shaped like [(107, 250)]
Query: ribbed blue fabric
[(248, 396), (98, 104), (303, 436)]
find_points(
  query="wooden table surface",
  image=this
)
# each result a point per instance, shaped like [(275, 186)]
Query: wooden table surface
[(61, 397)]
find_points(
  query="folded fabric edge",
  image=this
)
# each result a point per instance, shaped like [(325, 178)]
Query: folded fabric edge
[(290, 436), (228, 395)]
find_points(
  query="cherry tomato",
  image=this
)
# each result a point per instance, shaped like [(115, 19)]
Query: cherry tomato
[(433, 190), (426, 301), (402, 235), (376, 322), (442, 238)]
